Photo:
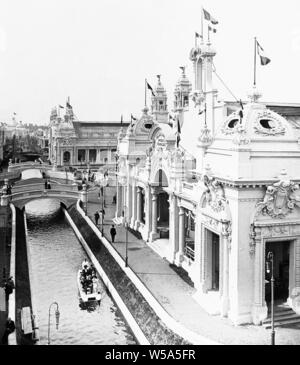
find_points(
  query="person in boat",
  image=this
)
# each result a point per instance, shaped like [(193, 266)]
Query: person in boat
[(93, 270), (85, 263), (95, 285)]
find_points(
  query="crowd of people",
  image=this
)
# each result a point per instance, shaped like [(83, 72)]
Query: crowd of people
[(88, 278)]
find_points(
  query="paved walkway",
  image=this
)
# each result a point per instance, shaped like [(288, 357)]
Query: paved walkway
[(4, 267), (175, 294)]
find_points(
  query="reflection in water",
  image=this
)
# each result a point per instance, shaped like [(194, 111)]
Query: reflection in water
[(56, 259)]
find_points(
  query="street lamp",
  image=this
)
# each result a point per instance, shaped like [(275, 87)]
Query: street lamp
[(57, 314), (126, 236), (103, 183), (270, 259)]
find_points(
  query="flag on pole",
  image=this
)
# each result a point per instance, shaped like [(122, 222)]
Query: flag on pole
[(122, 119), (212, 29), (132, 118), (201, 111), (68, 105), (263, 59), (178, 132), (208, 17), (241, 113), (197, 35), (61, 106), (150, 88)]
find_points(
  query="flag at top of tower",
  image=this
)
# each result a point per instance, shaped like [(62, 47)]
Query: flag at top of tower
[(69, 106), (212, 29), (150, 88), (208, 17), (263, 59)]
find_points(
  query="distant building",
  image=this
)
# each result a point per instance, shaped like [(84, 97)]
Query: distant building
[(15, 128), (81, 143), (213, 188), (2, 141)]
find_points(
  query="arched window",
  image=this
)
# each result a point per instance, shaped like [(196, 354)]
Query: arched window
[(66, 157)]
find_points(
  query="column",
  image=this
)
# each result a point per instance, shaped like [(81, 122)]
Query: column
[(294, 274), (259, 309), (98, 156), (154, 234), (181, 238), (225, 284), (128, 204), (133, 202), (148, 206), (87, 156), (174, 223), (139, 204)]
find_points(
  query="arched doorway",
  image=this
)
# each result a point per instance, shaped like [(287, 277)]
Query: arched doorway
[(163, 216), (66, 157)]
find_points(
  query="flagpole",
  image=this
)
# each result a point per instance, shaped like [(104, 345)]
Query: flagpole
[(255, 51), (208, 39), (202, 35)]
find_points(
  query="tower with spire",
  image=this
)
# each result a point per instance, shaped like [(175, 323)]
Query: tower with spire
[(182, 92), (159, 107)]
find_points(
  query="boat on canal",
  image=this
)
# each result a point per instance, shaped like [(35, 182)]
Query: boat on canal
[(88, 284)]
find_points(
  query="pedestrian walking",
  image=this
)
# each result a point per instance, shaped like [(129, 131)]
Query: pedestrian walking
[(113, 233), (97, 216), (9, 286), (46, 184), (9, 328)]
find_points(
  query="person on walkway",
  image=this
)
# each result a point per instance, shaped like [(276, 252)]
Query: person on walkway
[(9, 286), (9, 328), (115, 199), (113, 233), (46, 184), (97, 216)]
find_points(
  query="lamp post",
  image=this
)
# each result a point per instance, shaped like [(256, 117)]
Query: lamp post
[(103, 183), (270, 260), (57, 314), (126, 237)]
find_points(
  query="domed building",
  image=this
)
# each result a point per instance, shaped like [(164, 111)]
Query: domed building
[(213, 188), (81, 143)]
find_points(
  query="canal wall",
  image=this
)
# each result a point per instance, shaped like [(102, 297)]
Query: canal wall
[(22, 278), (142, 340), (154, 322), (12, 338)]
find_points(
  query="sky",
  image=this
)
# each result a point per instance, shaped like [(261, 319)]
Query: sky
[(99, 52)]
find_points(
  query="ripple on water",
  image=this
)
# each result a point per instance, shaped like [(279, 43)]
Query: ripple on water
[(56, 258)]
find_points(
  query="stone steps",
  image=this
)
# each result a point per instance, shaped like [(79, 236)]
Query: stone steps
[(283, 315)]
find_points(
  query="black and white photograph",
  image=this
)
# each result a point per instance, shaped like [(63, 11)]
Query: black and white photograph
[(149, 175)]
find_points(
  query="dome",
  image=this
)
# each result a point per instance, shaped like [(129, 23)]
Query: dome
[(254, 144), (258, 123)]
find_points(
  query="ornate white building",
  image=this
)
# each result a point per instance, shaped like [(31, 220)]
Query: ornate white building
[(220, 201), (81, 143)]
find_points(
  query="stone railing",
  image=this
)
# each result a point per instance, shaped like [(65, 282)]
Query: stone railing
[(37, 194), (20, 166)]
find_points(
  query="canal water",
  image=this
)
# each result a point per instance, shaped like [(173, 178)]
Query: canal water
[(56, 257)]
